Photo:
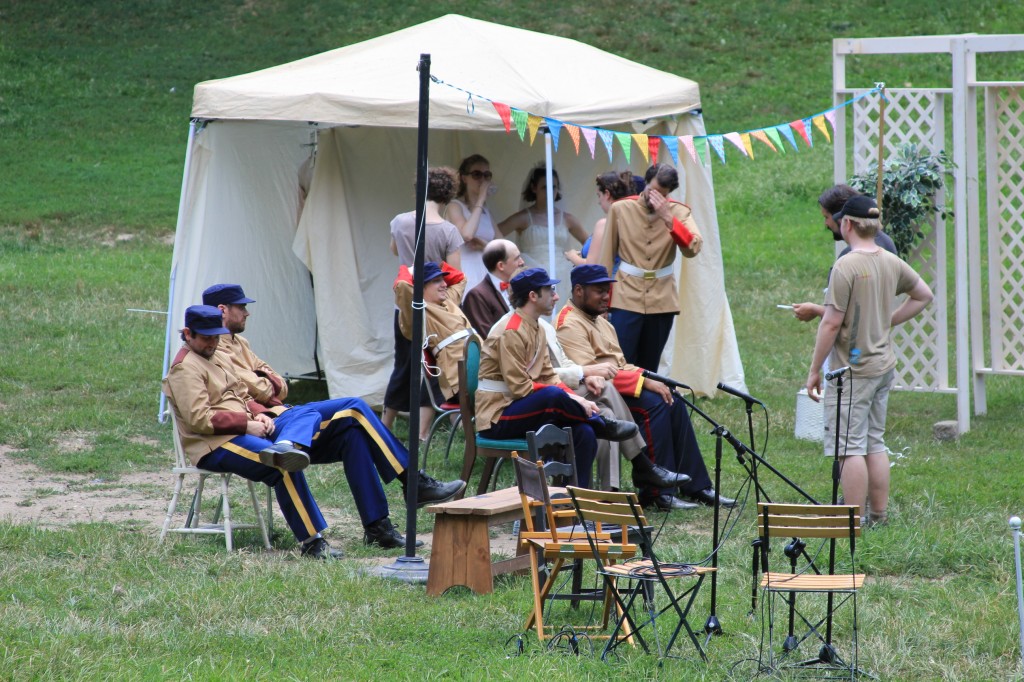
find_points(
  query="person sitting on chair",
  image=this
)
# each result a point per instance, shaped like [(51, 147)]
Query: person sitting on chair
[(519, 390), (445, 325), (588, 337), (223, 430), (488, 300), (368, 450)]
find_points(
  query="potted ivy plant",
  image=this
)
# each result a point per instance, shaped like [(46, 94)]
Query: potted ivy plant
[(911, 181)]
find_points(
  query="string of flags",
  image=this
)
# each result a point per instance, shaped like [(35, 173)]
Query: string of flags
[(697, 146)]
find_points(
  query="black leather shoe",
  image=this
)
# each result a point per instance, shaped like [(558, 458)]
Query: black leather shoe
[(284, 455), (667, 503), (615, 430), (320, 549), (657, 477), (384, 534), (430, 490), (707, 497)]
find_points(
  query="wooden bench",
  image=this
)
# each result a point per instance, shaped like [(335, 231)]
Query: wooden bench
[(461, 552)]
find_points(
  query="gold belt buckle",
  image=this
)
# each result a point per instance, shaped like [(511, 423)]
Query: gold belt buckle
[(650, 274)]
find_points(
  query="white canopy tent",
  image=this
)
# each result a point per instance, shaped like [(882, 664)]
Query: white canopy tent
[(253, 137)]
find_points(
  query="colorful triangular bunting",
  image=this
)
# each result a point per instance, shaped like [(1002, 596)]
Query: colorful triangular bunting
[(606, 137), (687, 141), (641, 142), (554, 126), (787, 132), (652, 145), (574, 133), (819, 123), (590, 135), (701, 143), (533, 124), (672, 144), (760, 136), (745, 138), (505, 112), (519, 117), (718, 146), (625, 143), (737, 141), (773, 135)]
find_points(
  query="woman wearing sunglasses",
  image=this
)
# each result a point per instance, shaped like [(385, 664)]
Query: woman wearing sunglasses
[(468, 212)]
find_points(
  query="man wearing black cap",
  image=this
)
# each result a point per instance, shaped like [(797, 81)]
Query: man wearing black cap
[(519, 390), (353, 434), (588, 337), (223, 430), (854, 332)]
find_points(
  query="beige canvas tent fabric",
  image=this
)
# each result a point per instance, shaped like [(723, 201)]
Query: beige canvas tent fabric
[(359, 105)]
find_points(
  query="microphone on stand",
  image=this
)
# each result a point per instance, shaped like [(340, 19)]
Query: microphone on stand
[(836, 373), (648, 374), (739, 394)]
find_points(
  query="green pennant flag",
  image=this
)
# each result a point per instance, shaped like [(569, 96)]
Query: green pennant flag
[(519, 117), (626, 142), (773, 134), (701, 144)]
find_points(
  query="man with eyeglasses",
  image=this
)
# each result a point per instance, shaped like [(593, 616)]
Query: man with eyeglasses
[(488, 301), (357, 438), (519, 390)]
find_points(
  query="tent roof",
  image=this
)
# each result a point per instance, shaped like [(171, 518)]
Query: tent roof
[(374, 83)]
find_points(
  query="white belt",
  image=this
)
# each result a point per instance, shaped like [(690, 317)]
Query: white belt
[(633, 270), (493, 386), (461, 334)]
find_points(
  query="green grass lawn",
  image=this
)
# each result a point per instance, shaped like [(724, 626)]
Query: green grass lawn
[(94, 102)]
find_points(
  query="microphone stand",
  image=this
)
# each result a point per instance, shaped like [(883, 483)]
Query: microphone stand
[(713, 625)]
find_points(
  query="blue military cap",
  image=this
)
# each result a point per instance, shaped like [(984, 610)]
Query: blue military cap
[(431, 271), (225, 294), (205, 320), (589, 274), (531, 280)]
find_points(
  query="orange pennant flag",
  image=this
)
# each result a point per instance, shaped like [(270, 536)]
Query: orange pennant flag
[(746, 144), (574, 133), (641, 142), (533, 125), (762, 137)]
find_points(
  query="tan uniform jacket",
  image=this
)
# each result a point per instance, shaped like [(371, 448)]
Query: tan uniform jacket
[(211, 405), (441, 322), (642, 239), (263, 383), (588, 340), (515, 352)]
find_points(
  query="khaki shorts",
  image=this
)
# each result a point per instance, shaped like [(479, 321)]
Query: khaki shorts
[(862, 426)]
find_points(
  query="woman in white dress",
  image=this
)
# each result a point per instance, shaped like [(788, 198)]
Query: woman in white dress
[(468, 212), (529, 229)]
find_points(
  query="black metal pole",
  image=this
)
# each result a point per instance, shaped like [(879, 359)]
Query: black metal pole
[(415, 378)]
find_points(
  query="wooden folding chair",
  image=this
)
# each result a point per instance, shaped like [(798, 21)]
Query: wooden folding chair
[(645, 573), (793, 522), (192, 523), (554, 536)]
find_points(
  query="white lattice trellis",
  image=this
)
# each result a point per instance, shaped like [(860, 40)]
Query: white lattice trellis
[(913, 117), (1004, 123)]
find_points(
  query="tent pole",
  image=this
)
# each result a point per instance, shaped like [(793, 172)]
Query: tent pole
[(411, 561), (549, 180), (161, 414)]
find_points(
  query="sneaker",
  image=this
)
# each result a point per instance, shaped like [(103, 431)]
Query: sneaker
[(284, 455), (430, 490), (319, 548)]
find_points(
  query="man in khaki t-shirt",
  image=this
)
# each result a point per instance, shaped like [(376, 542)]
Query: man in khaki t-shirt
[(860, 312)]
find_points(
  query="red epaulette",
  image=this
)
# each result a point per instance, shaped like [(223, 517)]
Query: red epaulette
[(180, 356), (404, 275), (561, 317), (514, 322)]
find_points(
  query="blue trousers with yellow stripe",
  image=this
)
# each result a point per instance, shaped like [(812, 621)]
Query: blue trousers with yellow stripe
[(347, 430), (551, 405), (240, 456)]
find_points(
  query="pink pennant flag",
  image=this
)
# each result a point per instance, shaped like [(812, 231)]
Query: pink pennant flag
[(738, 141), (831, 116), (574, 133), (590, 135), (819, 123), (799, 127), (760, 136), (533, 123), (745, 137), (506, 115), (652, 143), (642, 142), (687, 141)]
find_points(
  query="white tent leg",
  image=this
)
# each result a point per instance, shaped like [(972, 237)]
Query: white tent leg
[(549, 179), (161, 414)]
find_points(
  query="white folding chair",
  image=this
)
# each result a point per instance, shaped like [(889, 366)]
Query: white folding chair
[(192, 524)]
